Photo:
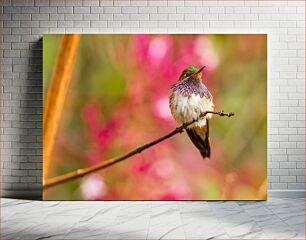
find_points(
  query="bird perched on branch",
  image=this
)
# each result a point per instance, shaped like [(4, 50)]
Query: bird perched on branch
[(188, 100)]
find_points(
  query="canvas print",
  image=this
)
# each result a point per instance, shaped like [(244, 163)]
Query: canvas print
[(155, 117)]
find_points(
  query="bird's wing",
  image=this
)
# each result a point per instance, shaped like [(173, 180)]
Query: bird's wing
[(200, 138)]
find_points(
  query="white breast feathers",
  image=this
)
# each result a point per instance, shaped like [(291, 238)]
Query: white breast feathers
[(187, 108)]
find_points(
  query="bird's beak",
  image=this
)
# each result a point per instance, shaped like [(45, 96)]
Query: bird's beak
[(198, 74)]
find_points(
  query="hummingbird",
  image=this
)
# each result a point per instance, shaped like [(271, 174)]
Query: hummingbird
[(188, 100)]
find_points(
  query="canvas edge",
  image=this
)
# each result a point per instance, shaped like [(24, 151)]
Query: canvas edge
[(37, 194)]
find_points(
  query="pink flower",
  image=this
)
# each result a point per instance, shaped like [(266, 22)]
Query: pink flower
[(158, 49), (93, 187), (161, 108), (163, 169), (99, 133), (178, 190), (205, 51), (152, 49), (91, 114), (142, 42)]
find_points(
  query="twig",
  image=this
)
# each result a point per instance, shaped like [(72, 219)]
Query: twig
[(56, 94), (84, 171)]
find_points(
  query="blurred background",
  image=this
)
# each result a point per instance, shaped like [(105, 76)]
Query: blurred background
[(118, 100)]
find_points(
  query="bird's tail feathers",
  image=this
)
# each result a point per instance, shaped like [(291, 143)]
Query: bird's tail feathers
[(200, 138)]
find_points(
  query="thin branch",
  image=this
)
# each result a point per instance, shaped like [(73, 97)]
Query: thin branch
[(84, 171)]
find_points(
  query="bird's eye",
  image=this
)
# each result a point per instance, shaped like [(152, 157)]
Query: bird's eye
[(185, 74)]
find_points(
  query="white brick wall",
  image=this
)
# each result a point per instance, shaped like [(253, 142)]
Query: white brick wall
[(24, 22)]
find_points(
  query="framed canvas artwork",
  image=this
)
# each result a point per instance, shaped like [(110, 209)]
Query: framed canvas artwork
[(155, 117)]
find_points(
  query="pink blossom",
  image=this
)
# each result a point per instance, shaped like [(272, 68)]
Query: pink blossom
[(100, 133), (158, 49), (178, 190), (142, 43), (204, 49), (161, 108), (93, 187), (91, 114), (163, 168)]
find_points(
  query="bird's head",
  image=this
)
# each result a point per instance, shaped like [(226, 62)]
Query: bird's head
[(192, 71)]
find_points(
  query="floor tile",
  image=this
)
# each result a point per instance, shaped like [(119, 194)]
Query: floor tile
[(273, 219)]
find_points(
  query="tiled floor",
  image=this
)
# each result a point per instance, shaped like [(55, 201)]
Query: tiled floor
[(273, 219)]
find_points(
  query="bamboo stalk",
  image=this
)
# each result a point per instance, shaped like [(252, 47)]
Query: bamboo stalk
[(84, 171), (56, 95)]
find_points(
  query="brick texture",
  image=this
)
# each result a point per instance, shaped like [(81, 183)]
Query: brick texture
[(24, 22)]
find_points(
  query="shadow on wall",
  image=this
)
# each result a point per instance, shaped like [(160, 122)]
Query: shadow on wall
[(29, 158)]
